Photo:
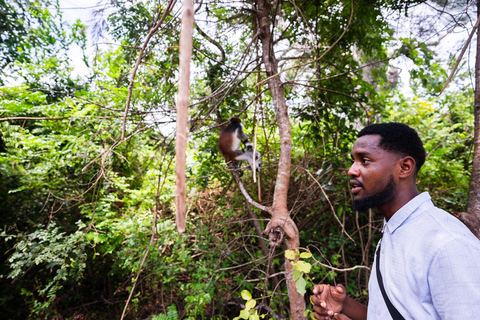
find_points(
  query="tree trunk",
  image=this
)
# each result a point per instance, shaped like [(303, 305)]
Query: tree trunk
[(182, 113), (281, 223), (473, 207)]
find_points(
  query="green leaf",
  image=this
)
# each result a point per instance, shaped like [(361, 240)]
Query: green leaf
[(246, 295), (301, 284), (250, 304), (303, 266), (290, 254), (305, 255), (244, 314), (296, 274)]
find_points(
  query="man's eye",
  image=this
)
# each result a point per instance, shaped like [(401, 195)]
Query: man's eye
[(365, 161)]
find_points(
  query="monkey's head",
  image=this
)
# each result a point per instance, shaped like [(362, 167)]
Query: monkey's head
[(235, 120)]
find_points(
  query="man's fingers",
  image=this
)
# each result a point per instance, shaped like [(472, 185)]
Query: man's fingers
[(340, 288), (340, 316), (318, 302), (318, 288), (322, 311)]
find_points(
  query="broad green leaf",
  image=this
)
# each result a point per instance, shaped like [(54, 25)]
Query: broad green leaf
[(250, 304), (244, 314), (301, 284), (246, 295), (303, 266), (290, 254), (296, 274), (305, 255)]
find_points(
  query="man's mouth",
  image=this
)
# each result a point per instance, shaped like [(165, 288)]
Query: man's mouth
[(356, 186)]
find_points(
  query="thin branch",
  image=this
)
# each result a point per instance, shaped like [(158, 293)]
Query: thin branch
[(316, 59), (329, 90), (168, 9), (141, 264), (339, 269), (331, 206), (244, 191), (55, 118), (459, 59), (209, 39)]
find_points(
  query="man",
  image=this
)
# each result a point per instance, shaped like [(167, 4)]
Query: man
[(429, 261)]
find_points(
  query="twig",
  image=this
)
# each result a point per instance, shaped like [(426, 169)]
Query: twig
[(139, 59), (141, 264), (244, 191), (316, 59), (55, 118), (336, 269), (331, 206), (460, 57)]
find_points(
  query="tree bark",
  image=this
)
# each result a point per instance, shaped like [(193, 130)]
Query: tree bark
[(473, 207), (281, 223), (182, 112)]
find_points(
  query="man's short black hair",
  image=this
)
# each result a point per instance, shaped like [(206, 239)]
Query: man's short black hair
[(398, 138)]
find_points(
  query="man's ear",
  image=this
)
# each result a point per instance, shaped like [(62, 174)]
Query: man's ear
[(407, 167)]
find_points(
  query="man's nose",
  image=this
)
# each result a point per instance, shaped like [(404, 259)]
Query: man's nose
[(353, 171)]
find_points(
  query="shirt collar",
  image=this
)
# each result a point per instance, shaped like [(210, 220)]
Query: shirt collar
[(404, 212)]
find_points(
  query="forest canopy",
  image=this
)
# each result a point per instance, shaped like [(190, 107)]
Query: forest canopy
[(88, 218)]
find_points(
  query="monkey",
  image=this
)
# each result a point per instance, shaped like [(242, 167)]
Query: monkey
[(229, 143), (230, 139)]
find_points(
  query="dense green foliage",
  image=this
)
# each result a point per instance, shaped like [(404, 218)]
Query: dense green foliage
[(83, 212)]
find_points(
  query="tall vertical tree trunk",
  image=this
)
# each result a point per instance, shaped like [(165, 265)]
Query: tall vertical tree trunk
[(281, 223), (472, 218), (474, 192), (182, 112)]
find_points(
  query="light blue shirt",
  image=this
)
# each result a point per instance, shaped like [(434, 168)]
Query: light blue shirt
[(430, 264)]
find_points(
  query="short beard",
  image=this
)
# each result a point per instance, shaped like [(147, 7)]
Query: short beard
[(377, 199)]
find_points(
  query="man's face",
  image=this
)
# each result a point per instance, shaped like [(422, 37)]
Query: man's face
[(372, 173)]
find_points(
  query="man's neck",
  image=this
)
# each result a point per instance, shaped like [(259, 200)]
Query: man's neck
[(390, 208)]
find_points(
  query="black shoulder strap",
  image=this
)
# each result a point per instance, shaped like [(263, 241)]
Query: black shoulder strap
[(391, 308)]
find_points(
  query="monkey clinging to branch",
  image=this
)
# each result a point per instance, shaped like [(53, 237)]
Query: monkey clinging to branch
[(229, 144)]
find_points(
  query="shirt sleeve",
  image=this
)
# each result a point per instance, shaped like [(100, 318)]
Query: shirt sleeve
[(454, 279)]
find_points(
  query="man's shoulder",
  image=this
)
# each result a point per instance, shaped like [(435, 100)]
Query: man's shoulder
[(443, 226)]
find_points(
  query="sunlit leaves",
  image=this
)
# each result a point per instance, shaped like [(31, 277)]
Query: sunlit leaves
[(300, 267), (249, 312)]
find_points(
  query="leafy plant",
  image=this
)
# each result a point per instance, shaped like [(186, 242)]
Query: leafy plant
[(171, 314)]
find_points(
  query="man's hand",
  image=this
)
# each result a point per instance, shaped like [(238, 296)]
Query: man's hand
[(328, 301)]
